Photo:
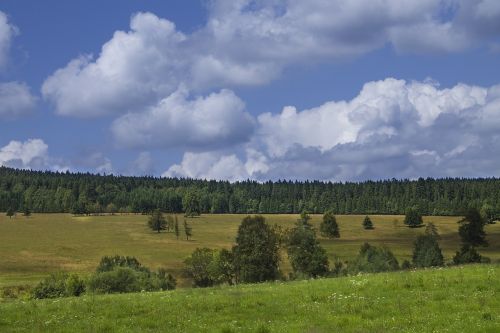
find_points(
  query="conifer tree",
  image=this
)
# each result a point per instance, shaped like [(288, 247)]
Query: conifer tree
[(329, 227), (367, 223)]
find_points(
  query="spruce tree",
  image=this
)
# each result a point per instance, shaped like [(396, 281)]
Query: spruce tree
[(471, 228), (426, 252), (329, 227), (413, 218), (367, 223)]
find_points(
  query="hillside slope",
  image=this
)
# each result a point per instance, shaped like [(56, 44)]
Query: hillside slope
[(458, 299)]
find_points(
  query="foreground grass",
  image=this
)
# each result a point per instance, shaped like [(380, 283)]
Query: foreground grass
[(458, 299), (31, 248)]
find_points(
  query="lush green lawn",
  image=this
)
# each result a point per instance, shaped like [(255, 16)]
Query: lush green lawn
[(456, 299), (32, 247)]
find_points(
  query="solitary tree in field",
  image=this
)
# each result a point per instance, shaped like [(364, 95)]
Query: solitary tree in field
[(157, 221), (256, 253), (329, 227), (176, 228), (187, 230), (170, 223), (367, 223), (413, 218), (471, 228), (27, 212), (10, 213)]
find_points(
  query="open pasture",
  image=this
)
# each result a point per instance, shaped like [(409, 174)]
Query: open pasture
[(30, 248)]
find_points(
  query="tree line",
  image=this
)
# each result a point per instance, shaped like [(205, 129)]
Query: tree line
[(84, 193)]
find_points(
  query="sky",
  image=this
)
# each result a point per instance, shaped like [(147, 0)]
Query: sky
[(334, 90)]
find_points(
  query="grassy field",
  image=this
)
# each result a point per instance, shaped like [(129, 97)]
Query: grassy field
[(32, 247), (456, 299)]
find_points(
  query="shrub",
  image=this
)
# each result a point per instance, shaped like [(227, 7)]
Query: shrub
[(198, 265), (118, 280), (52, 286), (75, 286), (110, 263), (467, 255), (306, 255), (372, 259)]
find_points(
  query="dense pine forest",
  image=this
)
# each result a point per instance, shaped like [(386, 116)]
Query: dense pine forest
[(83, 193)]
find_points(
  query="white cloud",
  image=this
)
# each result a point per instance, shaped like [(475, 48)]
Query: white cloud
[(208, 165), (15, 100), (249, 42), (211, 121), (7, 32), (143, 164), (32, 153), (393, 128)]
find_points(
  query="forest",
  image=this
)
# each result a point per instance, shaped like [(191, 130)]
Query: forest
[(84, 193)]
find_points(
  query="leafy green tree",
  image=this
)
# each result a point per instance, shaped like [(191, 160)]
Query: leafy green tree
[(367, 223), (426, 252), (176, 228), (471, 228), (156, 221), (221, 268), (197, 267), (191, 204), (256, 253), (329, 227), (413, 218), (306, 255), (10, 213), (188, 231), (489, 213), (170, 223)]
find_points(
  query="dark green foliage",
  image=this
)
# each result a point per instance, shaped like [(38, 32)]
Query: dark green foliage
[(53, 192), (367, 223), (426, 252), (59, 285), (406, 265), (329, 227), (222, 267), (198, 267), (306, 255), (110, 263), (372, 259), (27, 212), (156, 221), (489, 213), (10, 212), (467, 255), (413, 218), (256, 253), (431, 230), (471, 228)]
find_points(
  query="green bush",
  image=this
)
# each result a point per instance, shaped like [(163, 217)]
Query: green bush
[(426, 252), (372, 259), (118, 280), (110, 263), (52, 286), (468, 255)]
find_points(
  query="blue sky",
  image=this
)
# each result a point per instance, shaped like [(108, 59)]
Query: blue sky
[(332, 90)]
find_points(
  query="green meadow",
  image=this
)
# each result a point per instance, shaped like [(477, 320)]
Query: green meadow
[(33, 247), (454, 299)]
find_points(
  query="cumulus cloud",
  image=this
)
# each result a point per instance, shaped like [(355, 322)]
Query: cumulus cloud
[(15, 100), (248, 42), (393, 128), (31, 154), (211, 121), (143, 164)]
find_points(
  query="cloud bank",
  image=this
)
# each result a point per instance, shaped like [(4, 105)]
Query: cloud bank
[(392, 128)]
